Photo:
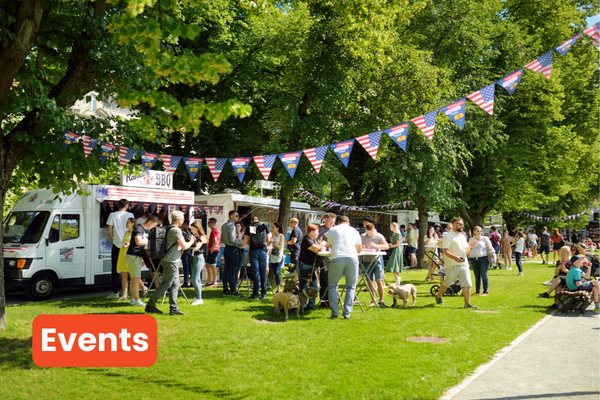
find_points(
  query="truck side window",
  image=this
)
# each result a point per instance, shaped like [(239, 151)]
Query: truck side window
[(69, 226), (54, 230)]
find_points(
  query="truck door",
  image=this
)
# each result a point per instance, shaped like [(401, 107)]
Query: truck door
[(66, 246)]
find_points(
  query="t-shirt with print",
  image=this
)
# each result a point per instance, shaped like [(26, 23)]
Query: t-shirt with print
[(135, 249), (174, 234)]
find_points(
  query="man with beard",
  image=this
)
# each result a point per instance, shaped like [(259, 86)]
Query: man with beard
[(456, 265)]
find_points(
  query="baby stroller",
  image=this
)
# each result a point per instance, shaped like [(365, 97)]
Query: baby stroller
[(450, 291)]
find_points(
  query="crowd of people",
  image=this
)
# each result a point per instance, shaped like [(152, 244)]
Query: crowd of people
[(322, 256)]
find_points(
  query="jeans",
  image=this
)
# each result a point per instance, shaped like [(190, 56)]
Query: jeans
[(480, 268), (197, 266), (313, 284), (231, 255), (258, 261), (276, 268), (518, 260), (348, 268), (170, 283), (186, 267), (114, 275)]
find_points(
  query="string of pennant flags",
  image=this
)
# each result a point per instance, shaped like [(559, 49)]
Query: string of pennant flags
[(562, 218), (152, 208), (316, 201), (455, 111)]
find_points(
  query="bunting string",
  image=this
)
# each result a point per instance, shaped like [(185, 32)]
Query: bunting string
[(561, 218), (313, 200), (455, 111)]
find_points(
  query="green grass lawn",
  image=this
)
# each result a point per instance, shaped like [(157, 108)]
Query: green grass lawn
[(220, 351)]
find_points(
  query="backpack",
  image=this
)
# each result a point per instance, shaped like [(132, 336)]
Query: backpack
[(258, 235), (157, 242)]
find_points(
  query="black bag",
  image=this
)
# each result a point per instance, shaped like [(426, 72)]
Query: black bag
[(258, 235), (157, 242)]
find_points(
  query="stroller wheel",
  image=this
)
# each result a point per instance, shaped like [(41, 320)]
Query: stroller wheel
[(434, 290)]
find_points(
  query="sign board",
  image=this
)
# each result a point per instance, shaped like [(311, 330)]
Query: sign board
[(267, 185), (151, 179)]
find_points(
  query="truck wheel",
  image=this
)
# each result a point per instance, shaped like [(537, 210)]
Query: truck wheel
[(41, 286)]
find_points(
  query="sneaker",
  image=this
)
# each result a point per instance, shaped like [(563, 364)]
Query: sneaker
[(597, 310), (554, 306), (226, 294), (139, 303), (547, 283), (213, 285), (509, 268), (264, 297), (251, 297), (439, 301), (333, 317), (197, 302), (238, 294), (382, 305), (177, 312), (484, 294), (152, 310), (520, 274), (347, 317), (471, 306), (132, 302), (113, 296), (544, 295)]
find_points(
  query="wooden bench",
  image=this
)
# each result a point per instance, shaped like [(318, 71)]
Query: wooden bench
[(573, 300)]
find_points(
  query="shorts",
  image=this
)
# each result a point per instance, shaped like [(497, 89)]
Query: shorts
[(586, 286), (410, 249), (545, 248), (375, 270), (134, 263), (533, 243), (556, 246), (460, 272), (212, 257)]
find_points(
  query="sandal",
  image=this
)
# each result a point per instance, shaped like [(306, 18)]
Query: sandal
[(123, 298)]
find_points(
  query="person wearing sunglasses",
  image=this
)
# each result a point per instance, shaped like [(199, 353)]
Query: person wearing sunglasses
[(480, 248)]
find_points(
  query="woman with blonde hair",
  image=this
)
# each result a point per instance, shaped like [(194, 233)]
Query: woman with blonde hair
[(394, 264), (432, 240)]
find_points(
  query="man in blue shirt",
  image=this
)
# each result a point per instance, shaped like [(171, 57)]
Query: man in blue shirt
[(574, 279)]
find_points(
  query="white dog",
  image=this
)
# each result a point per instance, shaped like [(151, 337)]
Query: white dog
[(402, 292)]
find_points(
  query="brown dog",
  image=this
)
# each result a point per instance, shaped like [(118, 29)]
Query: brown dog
[(286, 301), (290, 287), (306, 295), (402, 292)]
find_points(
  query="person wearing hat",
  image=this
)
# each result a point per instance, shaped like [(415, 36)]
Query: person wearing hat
[(368, 220), (575, 274)]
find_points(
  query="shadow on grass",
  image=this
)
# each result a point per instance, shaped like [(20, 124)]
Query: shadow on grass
[(170, 384), (16, 353)]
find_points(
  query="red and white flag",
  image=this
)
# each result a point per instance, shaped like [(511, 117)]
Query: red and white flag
[(216, 166), (426, 123), (594, 32), (543, 65), (484, 98), (370, 142), (316, 155), (88, 144), (265, 164)]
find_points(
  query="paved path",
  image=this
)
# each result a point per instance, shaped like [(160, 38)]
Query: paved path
[(558, 358)]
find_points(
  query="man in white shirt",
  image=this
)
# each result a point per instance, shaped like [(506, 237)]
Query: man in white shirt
[(116, 229), (345, 245), (456, 265)]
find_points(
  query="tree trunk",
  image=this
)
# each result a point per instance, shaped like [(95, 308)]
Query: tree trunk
[(423, 226), (285, 203)]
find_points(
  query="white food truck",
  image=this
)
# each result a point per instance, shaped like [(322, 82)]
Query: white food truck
[(50, 243)]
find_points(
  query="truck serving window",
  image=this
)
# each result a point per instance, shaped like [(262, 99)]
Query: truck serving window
[(25, 227)]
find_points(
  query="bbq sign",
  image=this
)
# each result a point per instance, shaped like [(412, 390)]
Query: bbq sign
[(94, 341)]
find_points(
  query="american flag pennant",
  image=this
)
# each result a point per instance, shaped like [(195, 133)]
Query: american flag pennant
[(594, 32), (290, 162), (370, 142), (69, 138), (148, 159), (343, 150), (106, 150), (398, 134), (543, 65), (216, 166), (125, 155), (265, 164), (456, 112), (316, 155), (511, 81), (240, 166), (566, 46), (152, 208), (88, 144), (193, 165), (426, 123), (170, 162), (484, 98)]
